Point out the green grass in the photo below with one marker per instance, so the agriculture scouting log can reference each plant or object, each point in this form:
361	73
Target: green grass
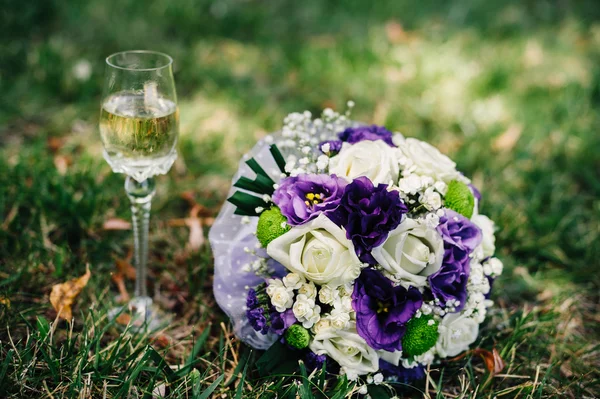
467	76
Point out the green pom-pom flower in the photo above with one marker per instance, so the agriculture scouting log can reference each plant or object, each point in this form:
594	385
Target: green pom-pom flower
459	198
421	335
297	336
271	224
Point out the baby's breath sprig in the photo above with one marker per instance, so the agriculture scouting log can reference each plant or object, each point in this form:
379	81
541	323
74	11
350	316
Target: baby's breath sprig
302	132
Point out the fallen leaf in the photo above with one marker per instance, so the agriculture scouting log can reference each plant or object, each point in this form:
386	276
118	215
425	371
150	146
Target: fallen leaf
125	268
196	238
507	140
5	301
63	295
161	340
55	143
116	224
119	280
62	163
395	32
160	391
565	369
493	362
123	318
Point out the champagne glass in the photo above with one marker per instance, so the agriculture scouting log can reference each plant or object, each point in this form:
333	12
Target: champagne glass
139	125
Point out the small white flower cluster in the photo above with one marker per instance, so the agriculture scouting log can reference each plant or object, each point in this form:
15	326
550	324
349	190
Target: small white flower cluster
302	132
258	266
294	292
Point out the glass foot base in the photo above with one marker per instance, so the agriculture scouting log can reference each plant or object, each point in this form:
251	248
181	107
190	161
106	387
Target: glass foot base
140	314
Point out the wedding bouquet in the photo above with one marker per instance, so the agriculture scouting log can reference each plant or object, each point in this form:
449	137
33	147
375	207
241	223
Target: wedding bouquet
354	246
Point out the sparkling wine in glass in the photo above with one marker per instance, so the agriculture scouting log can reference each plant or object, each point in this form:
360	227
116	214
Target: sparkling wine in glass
139	125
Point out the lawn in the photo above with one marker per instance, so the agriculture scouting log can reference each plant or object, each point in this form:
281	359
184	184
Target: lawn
509	90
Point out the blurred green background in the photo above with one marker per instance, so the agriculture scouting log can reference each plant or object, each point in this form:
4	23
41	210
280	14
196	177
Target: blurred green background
510	90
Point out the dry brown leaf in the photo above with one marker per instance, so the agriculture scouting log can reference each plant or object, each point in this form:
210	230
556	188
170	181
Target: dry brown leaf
116	224
63	295
62	163
55	143
5	301
119	280
395	32
507	140
125	268
493	362
196	238
123	318
161	340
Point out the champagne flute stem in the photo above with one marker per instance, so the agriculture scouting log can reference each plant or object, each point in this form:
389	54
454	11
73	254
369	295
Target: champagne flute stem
140	194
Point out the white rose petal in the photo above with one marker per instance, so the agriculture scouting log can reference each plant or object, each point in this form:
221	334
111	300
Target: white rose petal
426	160
457	332
318	251
411	252
348	349
373	159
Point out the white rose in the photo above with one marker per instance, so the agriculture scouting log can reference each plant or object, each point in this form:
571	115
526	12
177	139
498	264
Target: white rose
306	311
328	294
457	332
488	242
281	298
309	289
411	252
293	281
344	303
373	159
339	318
273	284
424	159
320	326
348	349
318	251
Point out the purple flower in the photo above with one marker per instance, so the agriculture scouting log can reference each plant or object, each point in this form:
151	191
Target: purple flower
304	197
334	147
356	134
383	310
281	321
400	373
314	361
257	320
368	214
460	236
251	299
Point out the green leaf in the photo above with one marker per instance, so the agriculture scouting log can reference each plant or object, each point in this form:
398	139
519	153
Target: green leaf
378	391
278	359
247	203
279	160
256	168
5	363
43	327
208	391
